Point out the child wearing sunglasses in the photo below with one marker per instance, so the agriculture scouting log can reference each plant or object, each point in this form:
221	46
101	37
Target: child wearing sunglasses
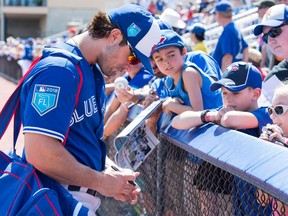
276	133
241	85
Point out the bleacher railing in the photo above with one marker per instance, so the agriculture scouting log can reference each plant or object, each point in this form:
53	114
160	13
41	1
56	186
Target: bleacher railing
209	170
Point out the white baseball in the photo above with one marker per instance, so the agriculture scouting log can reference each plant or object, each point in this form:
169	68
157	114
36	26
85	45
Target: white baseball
121	83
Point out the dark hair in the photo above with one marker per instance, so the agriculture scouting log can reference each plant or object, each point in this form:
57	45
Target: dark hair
101	26
200	37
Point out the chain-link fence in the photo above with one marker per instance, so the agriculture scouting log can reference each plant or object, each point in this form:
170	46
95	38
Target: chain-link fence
175	182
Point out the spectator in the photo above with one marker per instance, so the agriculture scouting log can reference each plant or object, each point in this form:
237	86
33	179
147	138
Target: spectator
27	57
276	133
267	55
117	112
241	88
187	85
197	37
255	57
173	18
275	29
231	46
64	142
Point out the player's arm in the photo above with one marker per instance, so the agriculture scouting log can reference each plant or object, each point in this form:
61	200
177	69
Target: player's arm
48	156
113	106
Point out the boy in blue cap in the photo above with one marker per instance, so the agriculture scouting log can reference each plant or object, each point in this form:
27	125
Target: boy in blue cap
241	85
187	86
64	139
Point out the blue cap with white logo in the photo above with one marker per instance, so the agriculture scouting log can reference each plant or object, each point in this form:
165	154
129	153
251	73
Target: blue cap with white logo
168	38
139	28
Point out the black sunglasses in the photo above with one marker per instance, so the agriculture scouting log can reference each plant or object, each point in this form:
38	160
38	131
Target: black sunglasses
273	33
279	109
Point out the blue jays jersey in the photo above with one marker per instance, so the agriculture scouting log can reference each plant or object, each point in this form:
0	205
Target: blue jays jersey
48	104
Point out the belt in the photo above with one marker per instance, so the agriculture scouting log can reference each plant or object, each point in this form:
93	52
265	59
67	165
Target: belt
82	189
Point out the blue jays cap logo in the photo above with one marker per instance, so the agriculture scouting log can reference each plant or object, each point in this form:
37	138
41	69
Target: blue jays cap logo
45	98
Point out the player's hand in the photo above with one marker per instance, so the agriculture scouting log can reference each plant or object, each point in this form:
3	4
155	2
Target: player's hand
125	95
115	184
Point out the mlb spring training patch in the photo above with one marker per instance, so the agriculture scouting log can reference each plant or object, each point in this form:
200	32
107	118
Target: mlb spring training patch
45	98
133	30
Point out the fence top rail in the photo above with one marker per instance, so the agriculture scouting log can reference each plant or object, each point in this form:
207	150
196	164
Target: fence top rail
257	161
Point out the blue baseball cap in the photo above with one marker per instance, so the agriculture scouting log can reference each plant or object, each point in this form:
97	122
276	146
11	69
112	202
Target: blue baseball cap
238	76
168	38
163	25
222	6
140	29
273	17
198	29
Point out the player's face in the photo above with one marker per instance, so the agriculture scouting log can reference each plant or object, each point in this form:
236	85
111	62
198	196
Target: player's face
239	101
280	120
169	60
279	44
114	59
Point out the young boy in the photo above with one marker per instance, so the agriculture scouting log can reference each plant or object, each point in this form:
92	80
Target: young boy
186	84
241	85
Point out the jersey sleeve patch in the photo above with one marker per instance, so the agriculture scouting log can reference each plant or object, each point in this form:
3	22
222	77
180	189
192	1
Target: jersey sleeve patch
45	98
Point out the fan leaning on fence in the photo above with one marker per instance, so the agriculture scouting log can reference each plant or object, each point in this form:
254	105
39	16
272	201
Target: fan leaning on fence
63	141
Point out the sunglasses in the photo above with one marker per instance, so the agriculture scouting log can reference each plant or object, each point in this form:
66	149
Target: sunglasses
273	33
132	58
279	109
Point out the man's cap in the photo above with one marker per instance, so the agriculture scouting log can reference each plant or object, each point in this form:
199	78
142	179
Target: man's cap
222	6
273	17
198	29
238	76
163	25
173	18
139	28
265	4
168	38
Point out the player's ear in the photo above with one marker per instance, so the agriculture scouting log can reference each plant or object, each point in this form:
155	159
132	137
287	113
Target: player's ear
115	35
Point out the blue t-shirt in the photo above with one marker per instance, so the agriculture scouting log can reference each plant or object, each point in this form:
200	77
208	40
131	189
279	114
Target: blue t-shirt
231	41
205	62
48	104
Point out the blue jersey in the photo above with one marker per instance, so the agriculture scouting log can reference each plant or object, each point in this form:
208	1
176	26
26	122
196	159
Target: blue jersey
210	99
141	79
231	42
205	62
48	104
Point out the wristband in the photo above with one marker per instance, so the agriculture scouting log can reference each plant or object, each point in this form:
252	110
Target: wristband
203	116
207	118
